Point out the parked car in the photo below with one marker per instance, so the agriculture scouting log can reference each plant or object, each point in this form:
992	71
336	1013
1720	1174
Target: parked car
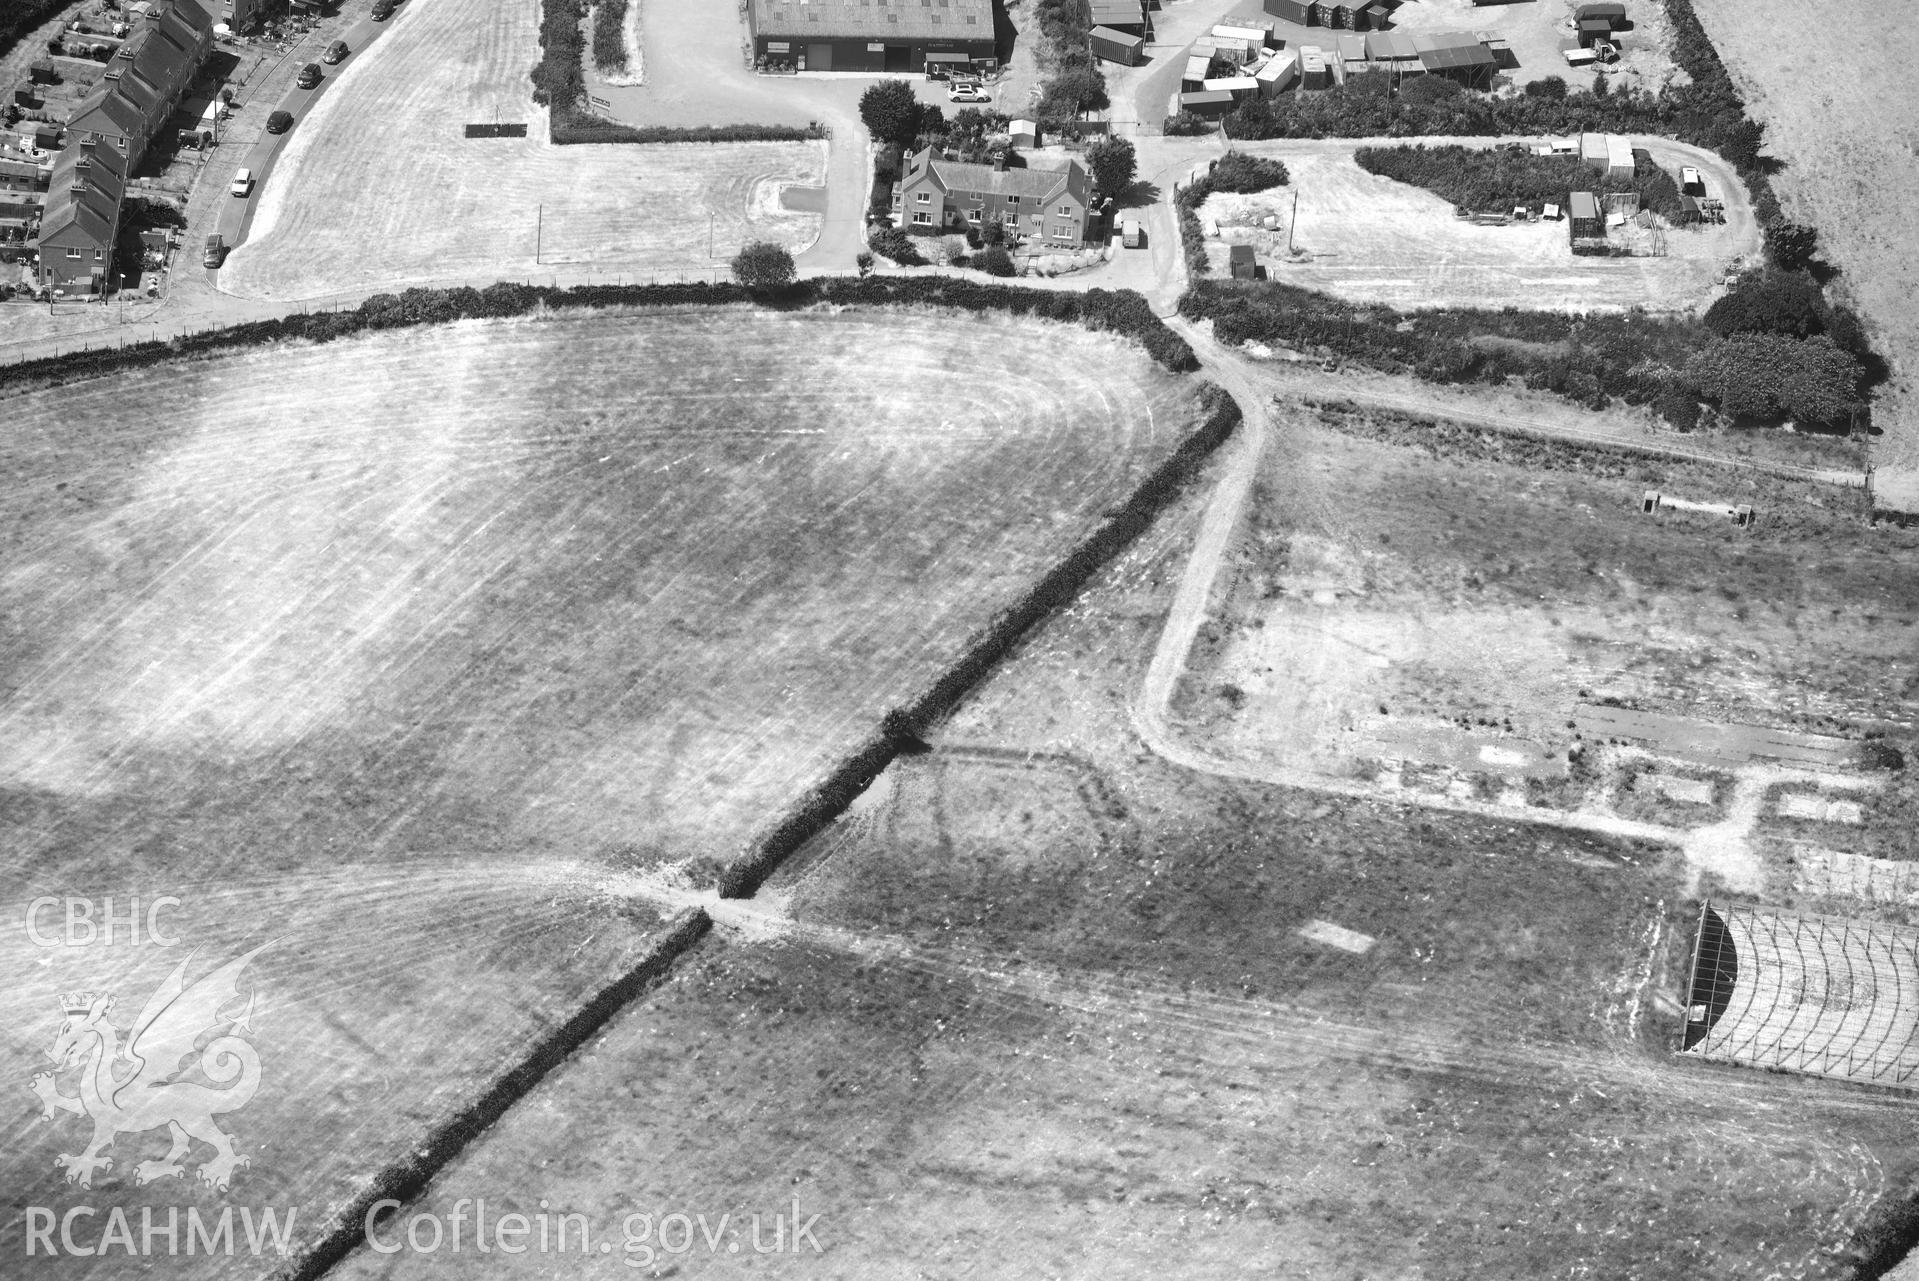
310	75
280	122
242	182
967	93
335	52
383	10
216	250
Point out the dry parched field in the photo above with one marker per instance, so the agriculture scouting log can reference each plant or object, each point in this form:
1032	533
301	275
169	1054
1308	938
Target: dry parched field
391	649
378	184
1841	113
1371	239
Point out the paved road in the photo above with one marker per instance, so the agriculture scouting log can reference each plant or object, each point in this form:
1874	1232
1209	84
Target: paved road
281	92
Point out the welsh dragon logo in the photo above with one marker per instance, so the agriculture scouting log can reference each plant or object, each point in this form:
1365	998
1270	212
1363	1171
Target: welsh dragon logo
126	1089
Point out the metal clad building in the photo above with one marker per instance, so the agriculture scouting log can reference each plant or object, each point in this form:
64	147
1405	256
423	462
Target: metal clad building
880	35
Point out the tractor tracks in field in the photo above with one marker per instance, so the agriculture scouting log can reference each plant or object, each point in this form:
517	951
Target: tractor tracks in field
1227	1038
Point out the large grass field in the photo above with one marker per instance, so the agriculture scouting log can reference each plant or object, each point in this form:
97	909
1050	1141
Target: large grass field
378	184
397	649
1039	1007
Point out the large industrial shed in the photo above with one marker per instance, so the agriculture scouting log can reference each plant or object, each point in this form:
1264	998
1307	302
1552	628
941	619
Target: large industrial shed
882	35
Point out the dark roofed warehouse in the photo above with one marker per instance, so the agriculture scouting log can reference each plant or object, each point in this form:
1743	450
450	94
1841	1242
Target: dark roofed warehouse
883	35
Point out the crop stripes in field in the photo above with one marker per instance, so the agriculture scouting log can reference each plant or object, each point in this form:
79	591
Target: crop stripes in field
407	1177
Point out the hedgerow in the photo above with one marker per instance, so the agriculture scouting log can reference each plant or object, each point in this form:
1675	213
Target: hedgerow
1122	312
609	35
560	85
1074	81
1481	178
18	17
906	724
1771	348
1236	171
1670	363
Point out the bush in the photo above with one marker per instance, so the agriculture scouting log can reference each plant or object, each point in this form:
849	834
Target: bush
893	243
1187	125
1791	244
1243	173
995	262
1072	92
1547	87
1768	376
1770	301
764	267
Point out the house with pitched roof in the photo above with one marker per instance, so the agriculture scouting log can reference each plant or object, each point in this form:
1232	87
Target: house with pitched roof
81	218
1047	207
108	134
145	79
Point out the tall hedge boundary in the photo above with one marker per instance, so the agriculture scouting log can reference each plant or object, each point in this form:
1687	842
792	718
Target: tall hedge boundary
559	84
1122	312
408	1176
901	727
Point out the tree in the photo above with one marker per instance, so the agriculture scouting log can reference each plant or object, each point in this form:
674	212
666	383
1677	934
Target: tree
864	261
1113	162
1791	244
890	112
763	265
995	261
1601	86
1073	92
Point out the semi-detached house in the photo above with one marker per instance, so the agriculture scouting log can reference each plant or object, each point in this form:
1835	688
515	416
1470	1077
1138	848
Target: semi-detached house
1044	206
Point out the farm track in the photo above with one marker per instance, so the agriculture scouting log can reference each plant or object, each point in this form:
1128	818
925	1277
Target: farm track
1294	381
1232	1036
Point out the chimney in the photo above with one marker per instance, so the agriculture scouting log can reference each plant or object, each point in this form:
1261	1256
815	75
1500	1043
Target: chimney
999	163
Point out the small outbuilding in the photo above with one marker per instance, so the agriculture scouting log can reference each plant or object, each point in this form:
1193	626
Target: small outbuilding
1117	46
1242	262
1236	86
1314	73
1206	103
1198	67
1278	74
1024	133
1583	211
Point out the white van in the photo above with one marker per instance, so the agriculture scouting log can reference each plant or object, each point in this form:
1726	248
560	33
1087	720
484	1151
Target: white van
242	182
1129	233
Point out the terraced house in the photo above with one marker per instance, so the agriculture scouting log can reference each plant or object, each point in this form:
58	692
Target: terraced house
107	136
81	218
1048	206
145	80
